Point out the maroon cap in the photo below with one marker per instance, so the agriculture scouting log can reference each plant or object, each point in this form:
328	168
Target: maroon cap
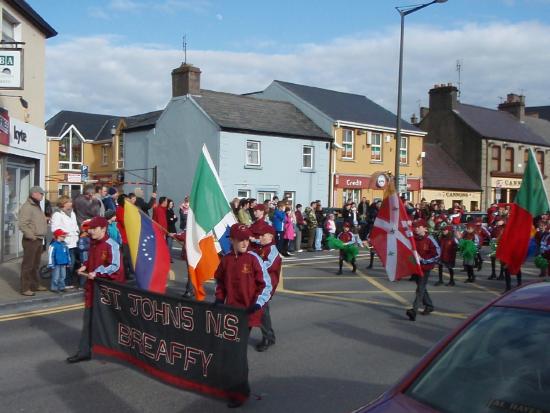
259	207
100	222
420	223
347	225
264	228
239	232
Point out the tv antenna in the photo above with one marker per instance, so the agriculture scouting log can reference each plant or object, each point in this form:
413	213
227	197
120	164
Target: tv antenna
184	47
459	70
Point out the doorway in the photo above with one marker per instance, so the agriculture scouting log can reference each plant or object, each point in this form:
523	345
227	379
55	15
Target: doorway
18	180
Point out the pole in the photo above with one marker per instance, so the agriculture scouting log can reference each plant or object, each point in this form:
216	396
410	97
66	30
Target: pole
155	179
399	92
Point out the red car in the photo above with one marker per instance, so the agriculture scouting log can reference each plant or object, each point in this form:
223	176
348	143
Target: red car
497	361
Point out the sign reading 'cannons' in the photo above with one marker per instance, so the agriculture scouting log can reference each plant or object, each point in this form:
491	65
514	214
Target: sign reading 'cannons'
184	343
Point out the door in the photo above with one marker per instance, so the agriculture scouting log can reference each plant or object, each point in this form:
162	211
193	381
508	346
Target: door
18	182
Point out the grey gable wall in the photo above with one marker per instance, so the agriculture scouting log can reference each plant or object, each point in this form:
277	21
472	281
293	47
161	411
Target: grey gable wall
174	147
276	92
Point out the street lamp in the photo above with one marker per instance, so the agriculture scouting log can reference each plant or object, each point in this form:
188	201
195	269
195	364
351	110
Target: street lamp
403	11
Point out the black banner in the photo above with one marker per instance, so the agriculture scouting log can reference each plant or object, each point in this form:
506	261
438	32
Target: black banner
185	343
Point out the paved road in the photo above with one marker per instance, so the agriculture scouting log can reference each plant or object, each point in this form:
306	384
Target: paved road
341	340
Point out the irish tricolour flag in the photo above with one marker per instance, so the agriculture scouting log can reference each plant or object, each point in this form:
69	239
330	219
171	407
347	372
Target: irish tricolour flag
531	201
208	220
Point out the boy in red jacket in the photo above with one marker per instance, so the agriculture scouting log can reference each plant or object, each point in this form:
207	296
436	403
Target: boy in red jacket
429	252
104	261
449	245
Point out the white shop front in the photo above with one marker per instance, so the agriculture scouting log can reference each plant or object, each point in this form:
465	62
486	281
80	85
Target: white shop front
22	165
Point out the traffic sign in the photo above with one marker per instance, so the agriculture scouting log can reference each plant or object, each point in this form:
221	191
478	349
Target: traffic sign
84	172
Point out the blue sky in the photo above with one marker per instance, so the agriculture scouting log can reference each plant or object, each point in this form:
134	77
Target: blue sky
274	26
115	56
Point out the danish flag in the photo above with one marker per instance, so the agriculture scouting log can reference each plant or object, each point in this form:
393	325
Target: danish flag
392	238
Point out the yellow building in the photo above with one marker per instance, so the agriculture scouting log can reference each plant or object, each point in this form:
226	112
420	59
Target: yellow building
83	148
364	140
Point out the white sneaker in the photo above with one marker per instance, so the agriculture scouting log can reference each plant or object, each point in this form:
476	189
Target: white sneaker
289	253
300	251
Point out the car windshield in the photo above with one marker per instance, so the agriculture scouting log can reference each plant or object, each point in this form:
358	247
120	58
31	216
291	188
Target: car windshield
501	363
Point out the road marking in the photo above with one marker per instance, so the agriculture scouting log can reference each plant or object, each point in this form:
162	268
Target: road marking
395	291
476	285
321	277
38	313
382	287
460	316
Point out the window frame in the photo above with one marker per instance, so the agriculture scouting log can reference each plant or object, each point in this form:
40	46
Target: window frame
247	191
348	144
405	149
104	155
311	156
375	145
120	152
258	150
541	161
261	196
71	134
508	162
497	158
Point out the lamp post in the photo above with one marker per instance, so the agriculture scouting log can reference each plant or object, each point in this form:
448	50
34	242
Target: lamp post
403	11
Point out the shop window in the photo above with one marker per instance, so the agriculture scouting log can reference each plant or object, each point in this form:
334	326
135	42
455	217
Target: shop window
509	160
495	159
253	157
351	195
307	157
70	151
347	143
376	147
403	151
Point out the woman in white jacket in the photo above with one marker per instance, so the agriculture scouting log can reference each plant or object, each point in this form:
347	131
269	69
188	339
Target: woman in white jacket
64	218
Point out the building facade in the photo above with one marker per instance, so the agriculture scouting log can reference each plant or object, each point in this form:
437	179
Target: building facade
363	143
260	148
83	148
22	135
491	146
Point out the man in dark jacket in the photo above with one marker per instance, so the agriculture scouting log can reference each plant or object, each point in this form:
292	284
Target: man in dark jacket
86	205
140	202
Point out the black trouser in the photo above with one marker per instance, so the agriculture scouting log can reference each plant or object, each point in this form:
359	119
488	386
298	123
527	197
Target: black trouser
470	272
422	295
341	262
508	279
478	261
451	272
494	269
85	345
371	257
266	327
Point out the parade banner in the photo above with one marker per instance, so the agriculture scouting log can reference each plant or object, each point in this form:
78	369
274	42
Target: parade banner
188	344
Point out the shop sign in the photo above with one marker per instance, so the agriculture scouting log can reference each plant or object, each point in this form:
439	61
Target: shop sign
26	136
4	127
352	182
512	183
458	194
74	178
10	69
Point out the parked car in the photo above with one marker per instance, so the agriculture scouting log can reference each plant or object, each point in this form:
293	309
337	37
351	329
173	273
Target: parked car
496	361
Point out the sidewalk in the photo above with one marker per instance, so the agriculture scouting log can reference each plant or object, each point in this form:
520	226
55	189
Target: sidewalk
12	301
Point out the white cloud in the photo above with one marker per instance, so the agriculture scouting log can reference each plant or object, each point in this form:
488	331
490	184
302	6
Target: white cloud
219	17
97	74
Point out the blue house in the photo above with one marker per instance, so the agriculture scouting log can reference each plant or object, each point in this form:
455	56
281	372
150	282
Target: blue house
261	148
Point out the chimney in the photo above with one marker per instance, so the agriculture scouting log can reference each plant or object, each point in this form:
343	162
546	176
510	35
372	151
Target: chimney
515	104
186	80
423	112
443	97
414	119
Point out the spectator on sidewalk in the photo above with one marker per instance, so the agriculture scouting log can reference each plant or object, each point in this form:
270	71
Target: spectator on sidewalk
140	202
33	225
243	216
65	219
320	217
172	231
311	221
109	201
86	205
100	193
300	226
184	212
59	259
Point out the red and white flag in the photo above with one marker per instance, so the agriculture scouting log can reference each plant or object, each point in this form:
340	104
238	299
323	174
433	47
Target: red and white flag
392	238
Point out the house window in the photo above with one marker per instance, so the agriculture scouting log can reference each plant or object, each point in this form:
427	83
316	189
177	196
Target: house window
540	161
9	25
243	193
265	196
347	143
307	157
403	152
253	153
509	160
120	159
289	197
495	159
376	147
70	151
104	154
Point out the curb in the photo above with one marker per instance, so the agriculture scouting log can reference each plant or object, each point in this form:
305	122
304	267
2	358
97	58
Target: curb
48	301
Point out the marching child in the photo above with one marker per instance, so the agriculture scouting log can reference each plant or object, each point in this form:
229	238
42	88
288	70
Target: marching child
469	263
59	259
448	244
348	239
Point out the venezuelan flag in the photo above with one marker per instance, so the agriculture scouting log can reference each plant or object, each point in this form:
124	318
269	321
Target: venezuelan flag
148	250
